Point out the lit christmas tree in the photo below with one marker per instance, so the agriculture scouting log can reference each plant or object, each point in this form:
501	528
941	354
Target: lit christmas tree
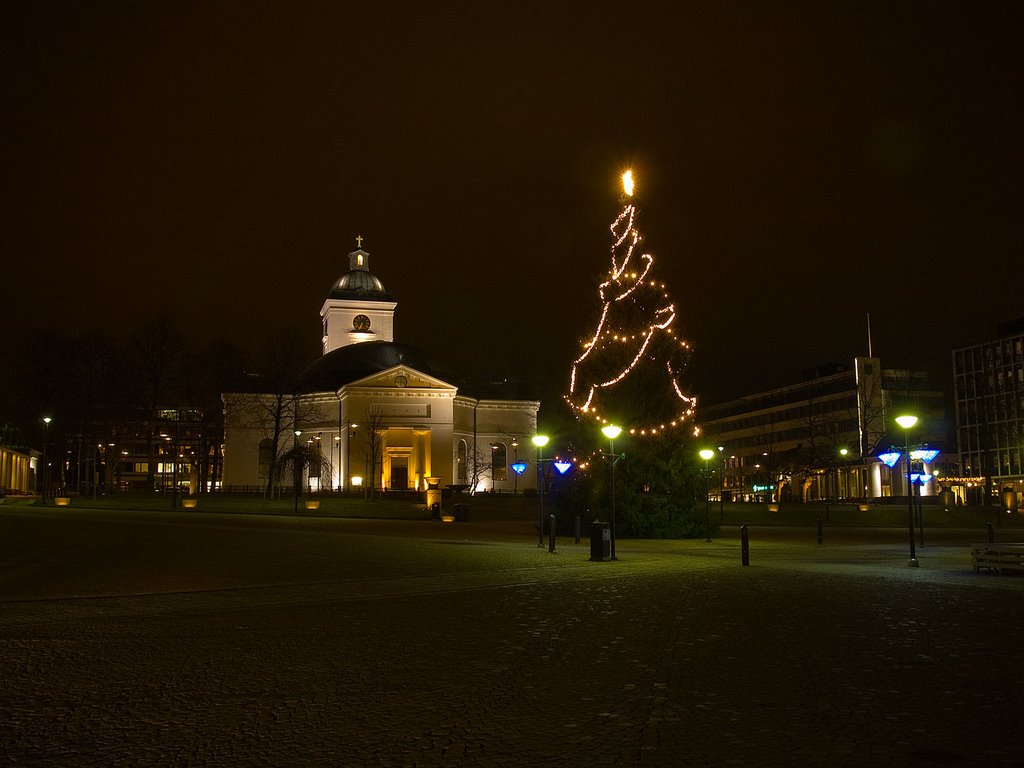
630	367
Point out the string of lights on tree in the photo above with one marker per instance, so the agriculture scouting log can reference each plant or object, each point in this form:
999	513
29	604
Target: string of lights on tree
636	328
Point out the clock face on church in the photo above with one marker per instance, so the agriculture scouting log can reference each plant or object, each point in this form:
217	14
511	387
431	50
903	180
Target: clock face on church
361	323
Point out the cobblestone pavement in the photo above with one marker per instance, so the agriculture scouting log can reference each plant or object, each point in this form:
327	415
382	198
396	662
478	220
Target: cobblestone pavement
152	641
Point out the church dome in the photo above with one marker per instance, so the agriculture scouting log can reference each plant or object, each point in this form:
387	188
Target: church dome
358	282
356	361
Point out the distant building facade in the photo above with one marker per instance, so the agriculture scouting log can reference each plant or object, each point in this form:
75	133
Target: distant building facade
373	411
18	468
988	387
830	436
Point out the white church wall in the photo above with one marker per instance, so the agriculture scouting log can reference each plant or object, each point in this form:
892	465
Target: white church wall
487	425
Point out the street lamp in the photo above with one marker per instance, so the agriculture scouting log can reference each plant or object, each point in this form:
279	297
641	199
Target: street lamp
349	434
907	422
515	475
721	486
707	454
611	431
46	466
540	441
337	446
296	470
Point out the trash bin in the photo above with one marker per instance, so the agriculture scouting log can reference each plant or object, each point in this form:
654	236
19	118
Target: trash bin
435	511
600	542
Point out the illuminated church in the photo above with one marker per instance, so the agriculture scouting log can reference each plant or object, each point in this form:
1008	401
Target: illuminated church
379	411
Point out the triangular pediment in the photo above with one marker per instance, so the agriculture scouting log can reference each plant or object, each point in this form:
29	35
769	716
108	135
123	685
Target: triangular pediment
400	377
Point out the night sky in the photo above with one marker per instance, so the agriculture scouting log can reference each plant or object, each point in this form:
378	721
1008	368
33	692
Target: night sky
799	165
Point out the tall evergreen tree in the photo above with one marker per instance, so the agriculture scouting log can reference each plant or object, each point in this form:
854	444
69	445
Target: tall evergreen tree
630	370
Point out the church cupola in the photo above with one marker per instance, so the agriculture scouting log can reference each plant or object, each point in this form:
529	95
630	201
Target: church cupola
358	308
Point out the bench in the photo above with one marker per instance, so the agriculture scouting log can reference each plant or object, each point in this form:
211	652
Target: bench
998	557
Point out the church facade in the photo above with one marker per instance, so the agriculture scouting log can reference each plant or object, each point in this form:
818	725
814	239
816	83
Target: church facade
373	411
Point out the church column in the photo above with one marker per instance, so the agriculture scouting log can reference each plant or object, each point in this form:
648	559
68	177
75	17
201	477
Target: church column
876	480
422	457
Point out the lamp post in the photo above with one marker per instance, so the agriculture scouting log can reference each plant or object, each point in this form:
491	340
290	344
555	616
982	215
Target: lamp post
296	470
174	470
515	475
841	487
721	486
336	446
907	422
540	441
46	465
707	454
349	434
494	453
611	431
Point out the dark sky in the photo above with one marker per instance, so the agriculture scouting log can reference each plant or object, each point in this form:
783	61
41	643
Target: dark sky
799	166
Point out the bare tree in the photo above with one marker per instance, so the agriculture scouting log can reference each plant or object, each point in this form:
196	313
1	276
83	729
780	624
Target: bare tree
155	357
871	406
480	467
273	404
766	440
376	431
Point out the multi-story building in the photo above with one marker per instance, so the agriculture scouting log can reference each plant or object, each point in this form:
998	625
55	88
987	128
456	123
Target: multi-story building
988	387
132	450
831	436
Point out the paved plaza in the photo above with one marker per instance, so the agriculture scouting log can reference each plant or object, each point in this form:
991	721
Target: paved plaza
187	639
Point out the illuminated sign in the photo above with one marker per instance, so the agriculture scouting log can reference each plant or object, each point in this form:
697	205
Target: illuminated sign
519	467
763	488
562	467
890	459
927	455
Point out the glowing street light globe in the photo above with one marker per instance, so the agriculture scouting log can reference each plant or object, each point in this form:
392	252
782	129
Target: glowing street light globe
906	421
611	431
627	183
539	440
707	454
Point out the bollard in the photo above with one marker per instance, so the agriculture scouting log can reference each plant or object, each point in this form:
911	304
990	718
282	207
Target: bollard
551	533
821	533
577	529
991	534
745	545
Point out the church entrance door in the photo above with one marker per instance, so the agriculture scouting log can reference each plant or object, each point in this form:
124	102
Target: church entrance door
399	473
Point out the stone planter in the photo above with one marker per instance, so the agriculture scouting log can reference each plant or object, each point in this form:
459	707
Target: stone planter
61	501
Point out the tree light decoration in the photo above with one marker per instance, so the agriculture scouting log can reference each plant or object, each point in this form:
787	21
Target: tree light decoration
631	364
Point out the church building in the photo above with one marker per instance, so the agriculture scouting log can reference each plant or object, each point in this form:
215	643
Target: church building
376	411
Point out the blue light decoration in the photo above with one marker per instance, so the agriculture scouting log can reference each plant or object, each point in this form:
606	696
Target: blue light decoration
519	467
927	455
562	467
890	459
919	477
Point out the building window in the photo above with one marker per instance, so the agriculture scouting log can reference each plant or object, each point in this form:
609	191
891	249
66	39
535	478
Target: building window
266	458
499	462
460	462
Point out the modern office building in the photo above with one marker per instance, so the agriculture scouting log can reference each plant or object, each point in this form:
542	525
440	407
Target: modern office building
831	436
988	389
